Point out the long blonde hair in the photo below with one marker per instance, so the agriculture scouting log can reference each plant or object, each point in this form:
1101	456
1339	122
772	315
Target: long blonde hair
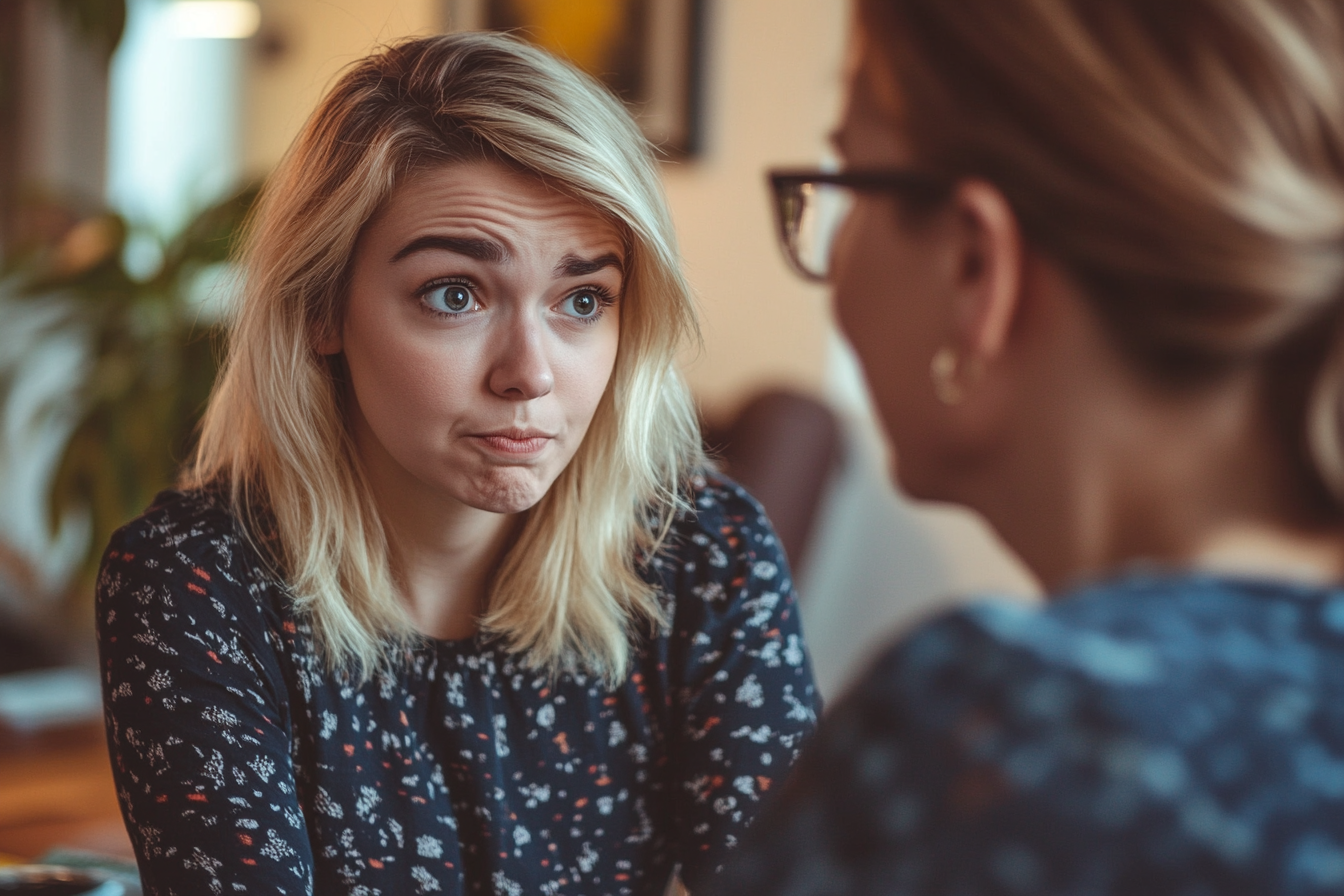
569	594
1183	159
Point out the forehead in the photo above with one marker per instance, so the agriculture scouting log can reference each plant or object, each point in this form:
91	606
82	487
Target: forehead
491	200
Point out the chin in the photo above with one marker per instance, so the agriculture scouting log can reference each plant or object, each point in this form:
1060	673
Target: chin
914	482
507	494
917	491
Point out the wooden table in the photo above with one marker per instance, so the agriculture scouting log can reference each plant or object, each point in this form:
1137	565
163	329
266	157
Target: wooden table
56	790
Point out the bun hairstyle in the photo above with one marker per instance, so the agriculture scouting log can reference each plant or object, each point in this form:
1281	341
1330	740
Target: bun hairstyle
1182	159
569	595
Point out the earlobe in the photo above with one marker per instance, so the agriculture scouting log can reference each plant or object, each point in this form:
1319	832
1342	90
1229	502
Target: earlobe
944	373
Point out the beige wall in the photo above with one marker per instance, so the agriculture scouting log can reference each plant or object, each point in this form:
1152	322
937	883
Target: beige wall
318	38
772	84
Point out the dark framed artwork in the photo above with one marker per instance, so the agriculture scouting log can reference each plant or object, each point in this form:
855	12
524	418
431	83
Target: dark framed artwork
649	52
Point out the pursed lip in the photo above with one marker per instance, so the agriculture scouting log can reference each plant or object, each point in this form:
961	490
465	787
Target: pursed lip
515	441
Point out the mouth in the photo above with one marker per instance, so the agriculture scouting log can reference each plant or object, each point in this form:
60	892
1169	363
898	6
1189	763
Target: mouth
514	441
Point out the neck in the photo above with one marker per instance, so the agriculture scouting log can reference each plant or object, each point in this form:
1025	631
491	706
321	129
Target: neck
1103	523
444	553
1110	472
445	560
1256	552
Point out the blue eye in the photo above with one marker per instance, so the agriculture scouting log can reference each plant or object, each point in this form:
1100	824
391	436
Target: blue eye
585	303
450	298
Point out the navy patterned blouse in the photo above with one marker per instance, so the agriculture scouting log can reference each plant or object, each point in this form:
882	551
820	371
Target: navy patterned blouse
243	766
1155	736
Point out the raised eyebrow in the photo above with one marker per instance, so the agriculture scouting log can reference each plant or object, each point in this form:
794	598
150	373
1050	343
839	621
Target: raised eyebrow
574	266
472	247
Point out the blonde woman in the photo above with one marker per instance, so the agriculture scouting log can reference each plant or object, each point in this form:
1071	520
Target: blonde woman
446	602
1094	269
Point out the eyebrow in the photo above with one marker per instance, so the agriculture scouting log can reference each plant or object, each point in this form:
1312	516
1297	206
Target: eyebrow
574	266
479	249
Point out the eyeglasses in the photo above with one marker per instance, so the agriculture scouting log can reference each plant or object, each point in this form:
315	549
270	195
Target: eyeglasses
810	206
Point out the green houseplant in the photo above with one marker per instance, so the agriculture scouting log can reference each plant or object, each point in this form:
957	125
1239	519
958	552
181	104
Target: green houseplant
151	349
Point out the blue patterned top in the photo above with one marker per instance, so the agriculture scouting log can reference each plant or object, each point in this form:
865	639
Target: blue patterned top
1161	736
243	766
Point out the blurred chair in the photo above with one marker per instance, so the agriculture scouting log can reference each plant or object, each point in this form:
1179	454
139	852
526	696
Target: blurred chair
782	447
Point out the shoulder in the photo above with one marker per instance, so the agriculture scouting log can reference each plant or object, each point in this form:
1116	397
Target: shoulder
1140	631
178	525
719	555
1158	633
1137	684
186	549
718	501
723	535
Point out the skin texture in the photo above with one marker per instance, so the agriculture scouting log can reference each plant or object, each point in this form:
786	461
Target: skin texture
1080	462
480	333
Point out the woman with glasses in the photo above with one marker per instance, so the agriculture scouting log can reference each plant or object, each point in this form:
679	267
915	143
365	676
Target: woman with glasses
447	601
1090	254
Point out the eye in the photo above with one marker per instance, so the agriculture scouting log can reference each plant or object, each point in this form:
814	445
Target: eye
586	303
450	298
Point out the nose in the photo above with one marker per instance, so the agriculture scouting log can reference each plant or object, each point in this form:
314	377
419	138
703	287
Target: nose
521	370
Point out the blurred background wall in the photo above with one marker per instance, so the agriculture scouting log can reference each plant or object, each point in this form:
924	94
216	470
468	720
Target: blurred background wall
193	117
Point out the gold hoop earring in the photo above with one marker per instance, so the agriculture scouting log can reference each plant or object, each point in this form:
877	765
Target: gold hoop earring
943	374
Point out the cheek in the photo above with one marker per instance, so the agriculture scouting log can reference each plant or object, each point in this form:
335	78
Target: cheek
881	306
884	364
403	383
868	301
583	375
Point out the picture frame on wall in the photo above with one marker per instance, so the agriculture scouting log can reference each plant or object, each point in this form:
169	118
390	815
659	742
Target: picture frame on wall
649	52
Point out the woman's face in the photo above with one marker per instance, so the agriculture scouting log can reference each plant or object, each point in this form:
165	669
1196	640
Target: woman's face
889	284
480	333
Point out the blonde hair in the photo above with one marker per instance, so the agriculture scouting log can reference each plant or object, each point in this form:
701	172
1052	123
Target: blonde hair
1183	159
569	594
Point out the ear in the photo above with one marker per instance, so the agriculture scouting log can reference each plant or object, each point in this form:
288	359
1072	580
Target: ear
988	284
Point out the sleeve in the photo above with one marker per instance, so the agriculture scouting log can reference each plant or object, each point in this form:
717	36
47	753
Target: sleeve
744	692
912	783
195	714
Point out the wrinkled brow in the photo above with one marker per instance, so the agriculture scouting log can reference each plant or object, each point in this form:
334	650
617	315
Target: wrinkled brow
479	249
574	266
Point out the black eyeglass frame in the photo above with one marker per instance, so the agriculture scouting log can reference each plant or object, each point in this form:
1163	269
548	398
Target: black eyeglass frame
786	184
